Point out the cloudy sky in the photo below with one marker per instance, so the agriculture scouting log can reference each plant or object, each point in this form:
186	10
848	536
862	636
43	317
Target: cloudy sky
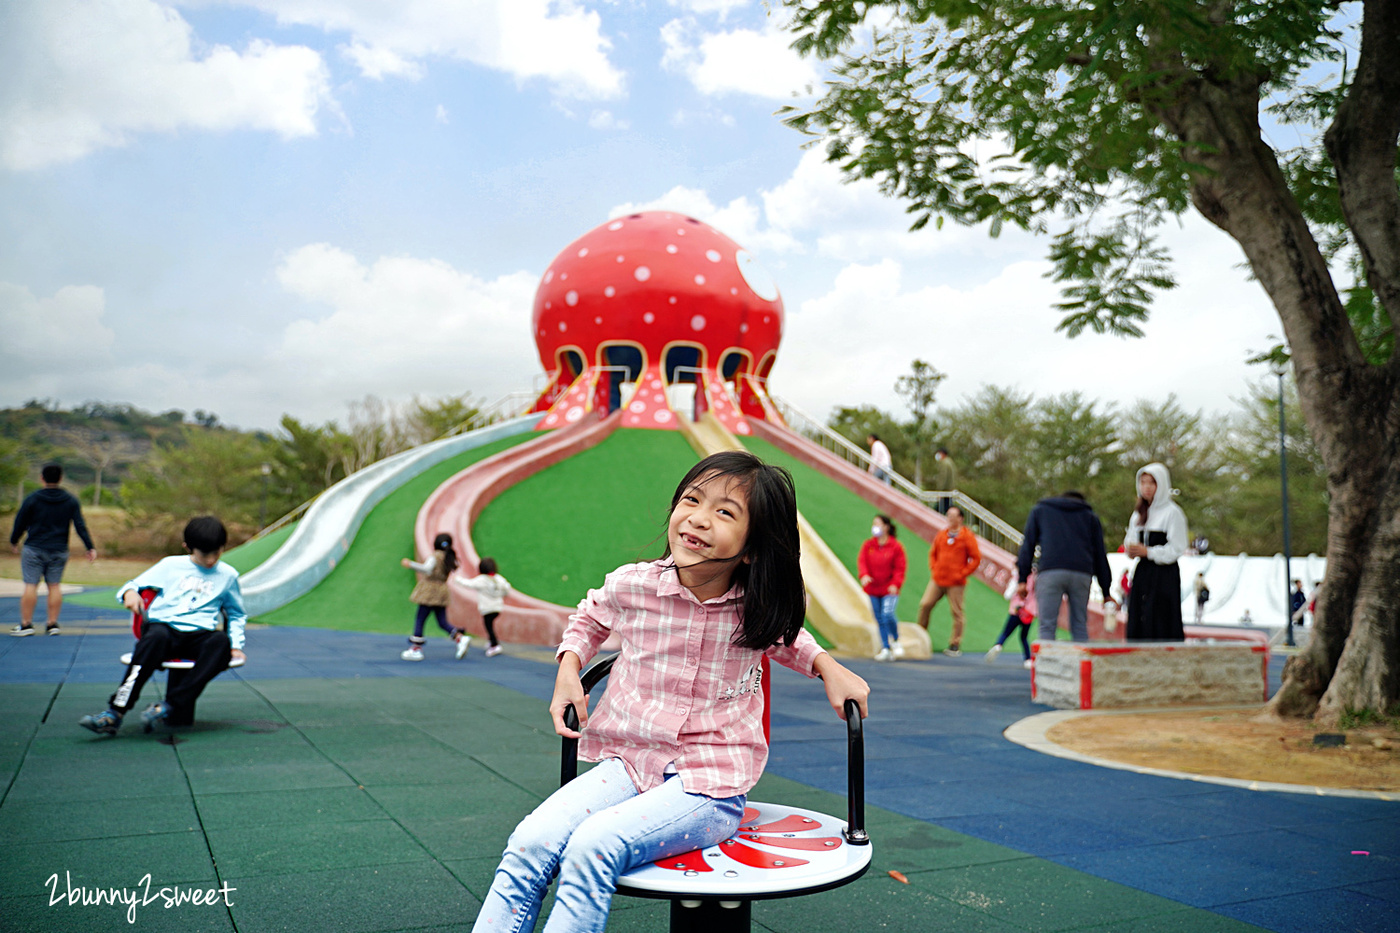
263	206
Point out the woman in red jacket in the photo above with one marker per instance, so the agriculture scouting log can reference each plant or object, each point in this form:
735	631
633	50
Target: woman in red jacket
881	567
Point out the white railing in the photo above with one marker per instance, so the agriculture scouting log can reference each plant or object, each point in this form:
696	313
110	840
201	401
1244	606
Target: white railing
983	521
511	405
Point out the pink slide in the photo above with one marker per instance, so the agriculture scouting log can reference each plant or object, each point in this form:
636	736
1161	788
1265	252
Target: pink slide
455	504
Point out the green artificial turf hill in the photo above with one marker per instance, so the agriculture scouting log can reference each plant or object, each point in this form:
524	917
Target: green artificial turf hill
250	554
558	533
842	518
368	591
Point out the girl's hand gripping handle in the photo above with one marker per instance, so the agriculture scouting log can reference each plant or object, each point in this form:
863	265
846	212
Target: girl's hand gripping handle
842	685
568	691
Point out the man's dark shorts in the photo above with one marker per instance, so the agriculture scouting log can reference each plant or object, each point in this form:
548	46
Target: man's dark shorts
36	564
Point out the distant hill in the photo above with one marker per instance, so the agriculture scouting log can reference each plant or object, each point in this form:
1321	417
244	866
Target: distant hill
94	442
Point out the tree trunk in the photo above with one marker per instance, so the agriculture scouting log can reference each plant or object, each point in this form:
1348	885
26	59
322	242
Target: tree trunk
97	487
1351	407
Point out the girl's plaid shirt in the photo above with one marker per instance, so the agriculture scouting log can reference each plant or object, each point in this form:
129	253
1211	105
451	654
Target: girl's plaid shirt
680	692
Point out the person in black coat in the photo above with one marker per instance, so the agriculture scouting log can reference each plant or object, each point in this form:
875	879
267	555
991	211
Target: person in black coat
1072	556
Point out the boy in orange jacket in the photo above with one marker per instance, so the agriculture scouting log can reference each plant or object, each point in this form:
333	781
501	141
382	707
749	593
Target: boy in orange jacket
952	559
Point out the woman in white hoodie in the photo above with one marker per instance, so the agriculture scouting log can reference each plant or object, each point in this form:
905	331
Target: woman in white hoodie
1156	537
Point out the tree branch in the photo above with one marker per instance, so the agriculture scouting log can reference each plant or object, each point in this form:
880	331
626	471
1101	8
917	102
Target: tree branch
1361	143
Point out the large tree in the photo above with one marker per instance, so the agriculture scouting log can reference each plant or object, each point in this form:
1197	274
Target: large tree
1104	119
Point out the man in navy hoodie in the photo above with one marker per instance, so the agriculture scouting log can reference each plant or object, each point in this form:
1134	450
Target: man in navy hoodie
46	515
1071	555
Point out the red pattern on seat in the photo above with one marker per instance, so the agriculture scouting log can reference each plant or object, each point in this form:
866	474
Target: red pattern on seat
811	843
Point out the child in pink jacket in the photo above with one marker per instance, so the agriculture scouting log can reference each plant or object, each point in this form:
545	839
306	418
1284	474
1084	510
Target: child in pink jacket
1022	615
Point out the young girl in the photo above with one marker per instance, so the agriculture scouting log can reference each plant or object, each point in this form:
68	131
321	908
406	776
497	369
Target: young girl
679	729
881	565
491	589
1022	614
430	594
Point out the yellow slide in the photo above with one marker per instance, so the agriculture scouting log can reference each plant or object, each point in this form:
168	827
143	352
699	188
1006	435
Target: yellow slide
836	606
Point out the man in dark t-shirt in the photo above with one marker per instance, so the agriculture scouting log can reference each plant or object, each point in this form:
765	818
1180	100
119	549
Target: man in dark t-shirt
45	517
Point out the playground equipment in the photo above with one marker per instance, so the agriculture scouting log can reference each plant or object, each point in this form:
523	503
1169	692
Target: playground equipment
324	534
778	851
661	322
648	301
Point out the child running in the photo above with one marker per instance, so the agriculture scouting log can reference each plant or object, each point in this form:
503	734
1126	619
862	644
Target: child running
491	591
1022	614
430	593
678	732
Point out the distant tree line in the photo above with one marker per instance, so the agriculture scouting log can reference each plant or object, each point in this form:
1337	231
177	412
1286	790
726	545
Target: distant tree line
1011	448
165	467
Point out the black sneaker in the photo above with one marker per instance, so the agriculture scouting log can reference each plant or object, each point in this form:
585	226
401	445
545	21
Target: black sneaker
52	629
19	631
106	722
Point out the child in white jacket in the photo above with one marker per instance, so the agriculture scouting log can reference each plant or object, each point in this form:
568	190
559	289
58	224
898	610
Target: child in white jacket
491	590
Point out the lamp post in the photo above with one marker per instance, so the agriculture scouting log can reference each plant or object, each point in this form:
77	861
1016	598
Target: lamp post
262	513
1280	370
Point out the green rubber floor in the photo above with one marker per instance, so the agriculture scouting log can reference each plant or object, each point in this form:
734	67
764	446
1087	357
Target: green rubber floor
364	805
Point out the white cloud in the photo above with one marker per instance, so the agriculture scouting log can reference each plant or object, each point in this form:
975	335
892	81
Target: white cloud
557	40
394	328
719	8
813	211
380	63
738	61
854	222
606	120
50	341
848	345
739	220
76	77
402	325
440	114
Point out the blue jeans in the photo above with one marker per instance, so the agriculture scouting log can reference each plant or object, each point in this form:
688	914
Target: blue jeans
592	830
883	607
1050	587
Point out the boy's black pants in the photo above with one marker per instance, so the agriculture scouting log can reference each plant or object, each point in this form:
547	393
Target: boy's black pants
210	652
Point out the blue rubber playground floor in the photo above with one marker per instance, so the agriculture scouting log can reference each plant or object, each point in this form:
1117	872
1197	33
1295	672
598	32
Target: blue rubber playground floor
330	786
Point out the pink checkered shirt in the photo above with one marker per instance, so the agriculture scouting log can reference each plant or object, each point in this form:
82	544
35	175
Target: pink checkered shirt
680	691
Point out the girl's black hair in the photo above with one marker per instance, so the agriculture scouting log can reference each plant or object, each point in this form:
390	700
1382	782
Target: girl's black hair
443	542
774	596
889	524
487	566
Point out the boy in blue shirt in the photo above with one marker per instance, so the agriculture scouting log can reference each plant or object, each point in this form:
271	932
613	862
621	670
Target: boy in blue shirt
193	593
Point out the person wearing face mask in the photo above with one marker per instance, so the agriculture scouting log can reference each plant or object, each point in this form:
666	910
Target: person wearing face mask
1156	538
881	565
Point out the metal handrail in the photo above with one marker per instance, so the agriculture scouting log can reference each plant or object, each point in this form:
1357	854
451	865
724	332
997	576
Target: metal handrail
699	382
291	516
984	523
510	405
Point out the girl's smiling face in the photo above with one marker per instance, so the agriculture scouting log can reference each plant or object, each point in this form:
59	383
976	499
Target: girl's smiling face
710	522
